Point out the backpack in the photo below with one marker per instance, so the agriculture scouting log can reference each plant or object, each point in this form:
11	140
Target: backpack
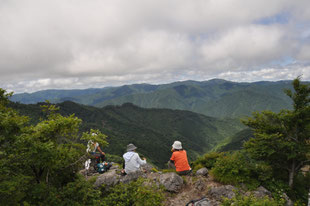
200	202
103	167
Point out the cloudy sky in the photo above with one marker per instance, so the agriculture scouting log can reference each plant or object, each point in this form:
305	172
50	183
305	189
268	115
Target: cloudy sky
69	44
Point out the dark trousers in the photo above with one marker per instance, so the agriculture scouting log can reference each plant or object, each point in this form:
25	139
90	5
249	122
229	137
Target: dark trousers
185	172
96	159
99	158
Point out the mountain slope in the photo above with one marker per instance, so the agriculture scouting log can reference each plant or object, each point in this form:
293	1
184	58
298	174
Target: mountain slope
235	142
151	130
217	98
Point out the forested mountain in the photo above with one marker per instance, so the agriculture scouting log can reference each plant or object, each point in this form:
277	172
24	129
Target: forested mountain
217	98
236	141
151	130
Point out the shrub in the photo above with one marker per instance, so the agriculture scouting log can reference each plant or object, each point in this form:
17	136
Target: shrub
252	201
236	168
79	192
139	193
208	160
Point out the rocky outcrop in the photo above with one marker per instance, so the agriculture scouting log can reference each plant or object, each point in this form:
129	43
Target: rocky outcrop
187	188
171	181
202	172
132	176
261	192
107	179
218	193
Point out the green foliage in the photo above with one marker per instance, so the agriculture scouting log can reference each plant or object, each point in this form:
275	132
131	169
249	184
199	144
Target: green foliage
300	190
283	139
208	160
37	161
138	193
78	192
241	200
236	168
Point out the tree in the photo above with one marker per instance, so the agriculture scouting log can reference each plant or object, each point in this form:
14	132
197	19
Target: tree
37	160
283	139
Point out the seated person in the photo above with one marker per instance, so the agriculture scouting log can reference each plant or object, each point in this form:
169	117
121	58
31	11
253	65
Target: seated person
132	160
95	151
179	160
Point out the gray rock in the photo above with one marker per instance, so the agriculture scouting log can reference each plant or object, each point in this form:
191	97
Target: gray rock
114	166
202	172
132	176
147	167
200	185
223	191
154	176
261	192
171	181
108	179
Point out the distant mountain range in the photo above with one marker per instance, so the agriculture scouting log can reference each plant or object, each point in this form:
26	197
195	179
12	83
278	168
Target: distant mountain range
153	131
216	98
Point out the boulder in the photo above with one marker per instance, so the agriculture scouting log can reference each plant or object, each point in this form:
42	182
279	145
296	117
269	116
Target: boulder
132	176
202	172
108	179
223	191
147	167
261	192
171	181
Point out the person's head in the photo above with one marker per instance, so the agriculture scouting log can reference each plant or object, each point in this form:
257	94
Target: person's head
131	147
177	145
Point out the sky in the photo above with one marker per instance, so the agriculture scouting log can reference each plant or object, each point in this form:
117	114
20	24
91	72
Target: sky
77	44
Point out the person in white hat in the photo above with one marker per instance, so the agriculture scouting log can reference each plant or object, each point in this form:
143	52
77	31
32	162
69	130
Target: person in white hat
132	159
179	159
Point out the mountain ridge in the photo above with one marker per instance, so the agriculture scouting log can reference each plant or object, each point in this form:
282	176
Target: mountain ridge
213	97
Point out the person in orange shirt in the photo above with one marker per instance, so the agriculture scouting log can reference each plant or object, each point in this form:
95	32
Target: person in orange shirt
179	159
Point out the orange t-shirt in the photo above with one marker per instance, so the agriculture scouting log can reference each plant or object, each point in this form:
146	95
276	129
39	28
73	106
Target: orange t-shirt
180	160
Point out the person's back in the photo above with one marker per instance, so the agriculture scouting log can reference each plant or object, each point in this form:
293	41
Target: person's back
179	158
132	159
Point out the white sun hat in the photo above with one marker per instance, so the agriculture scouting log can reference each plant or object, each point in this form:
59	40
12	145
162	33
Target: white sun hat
177	145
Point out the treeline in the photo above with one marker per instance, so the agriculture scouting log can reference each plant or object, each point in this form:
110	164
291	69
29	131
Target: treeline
274	156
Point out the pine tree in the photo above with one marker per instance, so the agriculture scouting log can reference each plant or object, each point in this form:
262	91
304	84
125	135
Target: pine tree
283	139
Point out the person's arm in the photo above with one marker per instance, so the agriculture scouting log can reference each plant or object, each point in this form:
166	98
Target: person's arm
99	149
172	158
140	162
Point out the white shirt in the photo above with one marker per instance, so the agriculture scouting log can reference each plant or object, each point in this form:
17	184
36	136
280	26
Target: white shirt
132	162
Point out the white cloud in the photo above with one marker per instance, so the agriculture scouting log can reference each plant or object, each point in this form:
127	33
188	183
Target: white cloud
244	47
43	42
269	74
